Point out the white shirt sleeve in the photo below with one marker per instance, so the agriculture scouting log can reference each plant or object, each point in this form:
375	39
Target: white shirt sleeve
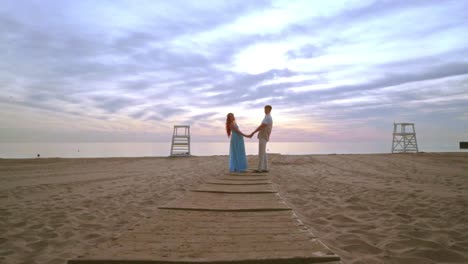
267	120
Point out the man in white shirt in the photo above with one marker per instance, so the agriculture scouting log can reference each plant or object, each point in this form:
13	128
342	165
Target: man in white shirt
263	137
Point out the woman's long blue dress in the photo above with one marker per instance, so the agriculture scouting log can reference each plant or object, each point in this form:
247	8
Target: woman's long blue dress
237	157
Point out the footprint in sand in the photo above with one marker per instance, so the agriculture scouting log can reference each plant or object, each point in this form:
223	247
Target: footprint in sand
91	236
93	226
49	235
57	261
440	255
38	245
57	198
68	234
360	246
5	253
342	219
19	224
86	217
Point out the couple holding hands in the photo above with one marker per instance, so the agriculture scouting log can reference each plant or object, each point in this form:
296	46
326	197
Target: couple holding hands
237	157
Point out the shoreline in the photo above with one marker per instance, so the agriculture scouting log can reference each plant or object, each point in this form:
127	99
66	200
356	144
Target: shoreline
134	150
248	155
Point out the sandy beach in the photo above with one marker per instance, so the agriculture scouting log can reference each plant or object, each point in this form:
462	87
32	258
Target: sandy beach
376	208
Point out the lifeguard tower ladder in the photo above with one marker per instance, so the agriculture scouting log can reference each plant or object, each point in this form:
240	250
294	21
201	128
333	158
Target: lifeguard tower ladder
404	138
180	141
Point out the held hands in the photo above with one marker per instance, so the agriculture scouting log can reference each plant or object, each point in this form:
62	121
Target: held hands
249	135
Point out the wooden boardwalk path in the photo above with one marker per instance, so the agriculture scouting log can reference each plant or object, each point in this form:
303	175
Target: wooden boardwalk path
234	218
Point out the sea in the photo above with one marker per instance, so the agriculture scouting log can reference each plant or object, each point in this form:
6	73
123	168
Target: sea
21	150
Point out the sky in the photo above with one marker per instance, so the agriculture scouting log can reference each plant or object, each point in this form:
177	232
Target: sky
334	71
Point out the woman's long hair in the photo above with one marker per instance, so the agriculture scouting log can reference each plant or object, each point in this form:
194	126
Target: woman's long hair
229	119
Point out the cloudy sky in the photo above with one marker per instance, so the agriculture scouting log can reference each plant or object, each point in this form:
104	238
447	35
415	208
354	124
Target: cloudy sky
102	70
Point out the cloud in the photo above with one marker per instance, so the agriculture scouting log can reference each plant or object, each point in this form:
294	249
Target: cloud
113	104
306	51
204	117
157	63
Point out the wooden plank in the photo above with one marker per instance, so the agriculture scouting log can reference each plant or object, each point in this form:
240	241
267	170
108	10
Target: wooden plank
165	242
228	202
244	178
229	188
248	173
223	258
226	217
237	182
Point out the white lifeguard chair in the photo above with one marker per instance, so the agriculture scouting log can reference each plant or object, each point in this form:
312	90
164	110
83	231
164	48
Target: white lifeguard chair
404	138
180	141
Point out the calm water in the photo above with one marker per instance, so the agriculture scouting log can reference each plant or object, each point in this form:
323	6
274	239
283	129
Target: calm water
159	149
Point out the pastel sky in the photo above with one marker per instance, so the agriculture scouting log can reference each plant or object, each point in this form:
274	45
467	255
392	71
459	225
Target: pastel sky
98	70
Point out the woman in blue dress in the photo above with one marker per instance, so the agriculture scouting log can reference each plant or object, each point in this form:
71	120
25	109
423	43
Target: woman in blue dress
237	157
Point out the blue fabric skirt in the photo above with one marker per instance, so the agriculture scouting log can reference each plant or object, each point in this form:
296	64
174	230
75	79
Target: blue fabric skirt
237	157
